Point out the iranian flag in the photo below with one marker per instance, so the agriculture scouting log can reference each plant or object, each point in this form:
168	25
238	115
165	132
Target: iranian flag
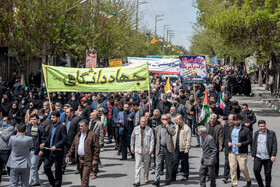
222	103
205	113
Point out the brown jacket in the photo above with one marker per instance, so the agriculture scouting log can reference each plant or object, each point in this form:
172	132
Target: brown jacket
92	147
218	133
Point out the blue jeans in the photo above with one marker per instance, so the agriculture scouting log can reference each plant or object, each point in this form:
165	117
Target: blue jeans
34	175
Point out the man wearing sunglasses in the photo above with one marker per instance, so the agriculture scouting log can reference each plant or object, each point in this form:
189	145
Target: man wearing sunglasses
164	149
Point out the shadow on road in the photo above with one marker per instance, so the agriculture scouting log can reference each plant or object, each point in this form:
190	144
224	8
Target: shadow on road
112	175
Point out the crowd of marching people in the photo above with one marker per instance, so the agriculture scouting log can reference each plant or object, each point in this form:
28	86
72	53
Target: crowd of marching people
41	130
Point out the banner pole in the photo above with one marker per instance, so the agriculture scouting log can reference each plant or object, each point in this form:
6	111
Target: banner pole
149	93
47	85
50	101
195	102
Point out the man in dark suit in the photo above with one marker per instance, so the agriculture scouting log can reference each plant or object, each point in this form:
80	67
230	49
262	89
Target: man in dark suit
54	150
19	160
208	159
72	127
164	105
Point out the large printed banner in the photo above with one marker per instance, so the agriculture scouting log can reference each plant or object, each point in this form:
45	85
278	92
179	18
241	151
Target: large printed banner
193	69
251	64
129	78
158	65
115	63
165	57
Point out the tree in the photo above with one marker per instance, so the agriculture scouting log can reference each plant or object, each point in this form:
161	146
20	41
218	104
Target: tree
40	28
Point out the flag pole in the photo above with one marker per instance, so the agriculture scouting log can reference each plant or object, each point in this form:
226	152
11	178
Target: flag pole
195	102
47	85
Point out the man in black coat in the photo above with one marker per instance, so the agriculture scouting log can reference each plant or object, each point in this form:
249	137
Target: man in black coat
180	108
86	110
164	105
248	117
54	150
72	127
264	150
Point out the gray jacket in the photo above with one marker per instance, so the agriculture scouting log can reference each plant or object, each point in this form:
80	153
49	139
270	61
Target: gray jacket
98	129
209	149
148	141
20	155
170	132
7	132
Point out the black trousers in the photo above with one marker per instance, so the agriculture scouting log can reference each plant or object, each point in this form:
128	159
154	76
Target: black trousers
204	169
217	164
116	134
4	156
258	163
177	156
58	161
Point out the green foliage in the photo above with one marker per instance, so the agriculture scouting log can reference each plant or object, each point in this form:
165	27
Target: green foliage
240	27
41	28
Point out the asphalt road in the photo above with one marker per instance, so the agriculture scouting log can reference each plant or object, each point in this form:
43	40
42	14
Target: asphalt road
116	172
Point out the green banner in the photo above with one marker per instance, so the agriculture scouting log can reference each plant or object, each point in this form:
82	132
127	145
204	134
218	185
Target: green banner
119	79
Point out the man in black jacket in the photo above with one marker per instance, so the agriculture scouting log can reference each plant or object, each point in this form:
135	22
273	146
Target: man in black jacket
72	127
238	140
86	110
248	117
54	150
164	105
180	108
264	150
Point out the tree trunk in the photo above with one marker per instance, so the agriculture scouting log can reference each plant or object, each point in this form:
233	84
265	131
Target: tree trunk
267	79
260	76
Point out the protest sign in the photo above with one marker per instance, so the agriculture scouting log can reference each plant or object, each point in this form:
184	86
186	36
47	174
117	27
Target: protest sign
115	63
158	65
129	78
251	64
193	69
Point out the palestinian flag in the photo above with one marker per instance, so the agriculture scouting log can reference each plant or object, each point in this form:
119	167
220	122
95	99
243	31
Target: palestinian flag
222	103
205	113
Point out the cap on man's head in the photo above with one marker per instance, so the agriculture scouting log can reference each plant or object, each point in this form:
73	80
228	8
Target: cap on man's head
234	102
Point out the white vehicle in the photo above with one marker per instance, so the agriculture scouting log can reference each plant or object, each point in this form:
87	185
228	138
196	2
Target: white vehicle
173	78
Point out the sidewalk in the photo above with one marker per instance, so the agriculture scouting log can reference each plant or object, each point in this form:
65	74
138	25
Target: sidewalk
266	97
258	91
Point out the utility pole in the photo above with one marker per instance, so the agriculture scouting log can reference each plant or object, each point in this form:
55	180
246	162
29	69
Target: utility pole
164	28
168	33
157	18
171	35
138	3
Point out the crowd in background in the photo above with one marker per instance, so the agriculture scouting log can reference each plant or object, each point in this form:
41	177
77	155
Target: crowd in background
156	129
